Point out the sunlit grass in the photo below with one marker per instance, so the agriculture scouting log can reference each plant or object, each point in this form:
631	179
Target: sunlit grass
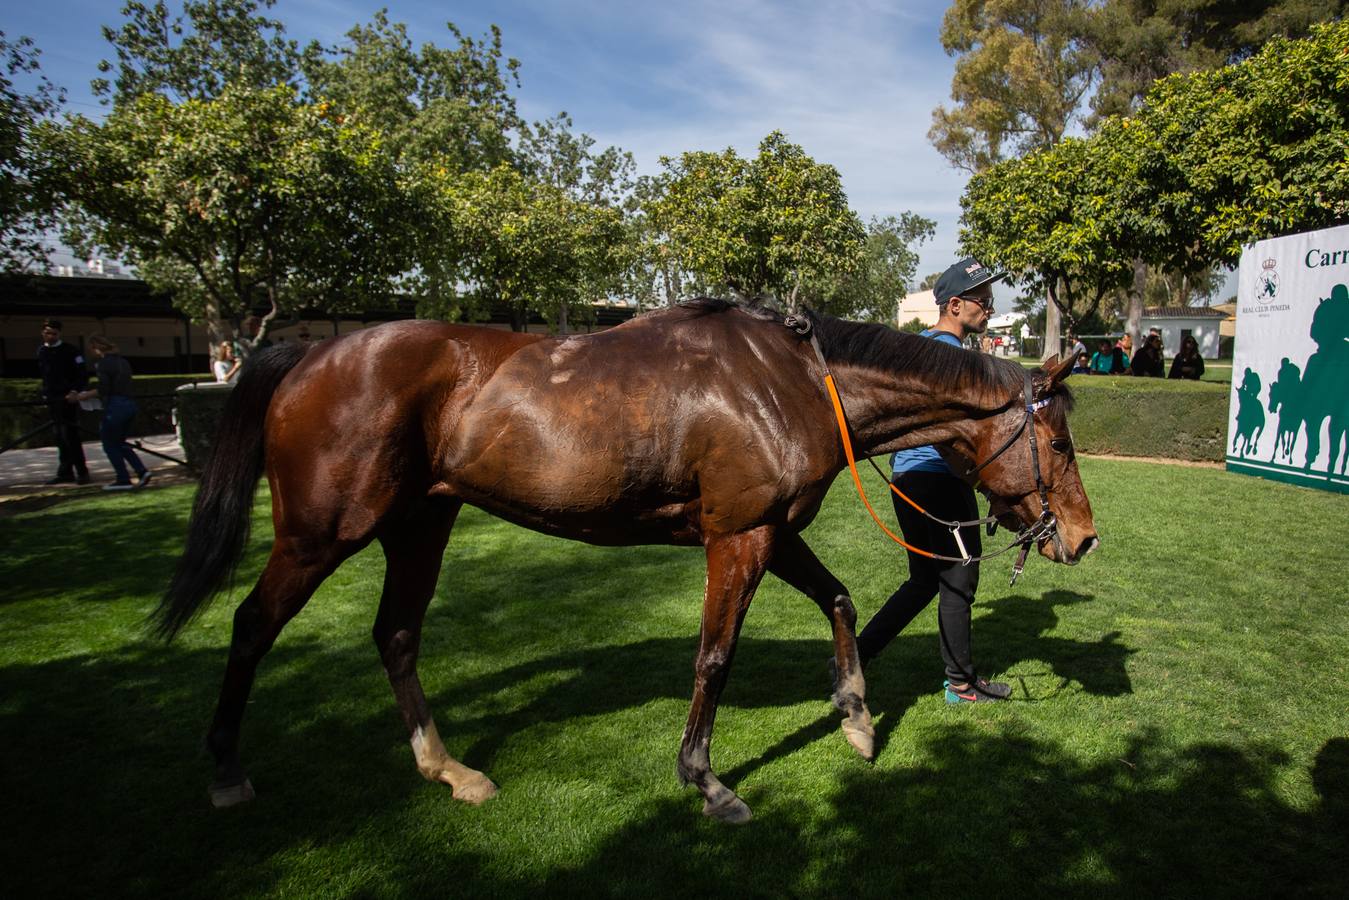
1177	729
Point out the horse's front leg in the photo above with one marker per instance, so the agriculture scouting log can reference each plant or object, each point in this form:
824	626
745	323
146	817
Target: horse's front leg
735	565
795	563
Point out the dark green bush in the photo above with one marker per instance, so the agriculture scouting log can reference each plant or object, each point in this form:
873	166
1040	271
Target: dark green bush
1150	417
199	409
154	396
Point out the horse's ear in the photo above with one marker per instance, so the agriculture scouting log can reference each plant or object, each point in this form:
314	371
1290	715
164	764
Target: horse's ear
1058	369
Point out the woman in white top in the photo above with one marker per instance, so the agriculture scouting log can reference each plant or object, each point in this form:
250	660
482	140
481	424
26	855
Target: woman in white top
226	365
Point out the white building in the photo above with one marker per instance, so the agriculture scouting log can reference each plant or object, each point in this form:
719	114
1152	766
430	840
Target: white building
1176	322
921	305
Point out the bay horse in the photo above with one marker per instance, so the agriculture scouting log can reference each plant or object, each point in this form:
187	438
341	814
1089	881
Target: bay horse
703	424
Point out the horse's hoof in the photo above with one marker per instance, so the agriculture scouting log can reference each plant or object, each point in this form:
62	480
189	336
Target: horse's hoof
476	791
862	738
731	810
231	793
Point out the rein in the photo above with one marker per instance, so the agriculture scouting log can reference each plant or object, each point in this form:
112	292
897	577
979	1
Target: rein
1043	527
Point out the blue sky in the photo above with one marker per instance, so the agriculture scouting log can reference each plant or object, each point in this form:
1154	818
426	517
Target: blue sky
852	81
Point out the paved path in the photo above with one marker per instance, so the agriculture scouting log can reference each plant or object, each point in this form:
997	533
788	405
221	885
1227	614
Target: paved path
23	472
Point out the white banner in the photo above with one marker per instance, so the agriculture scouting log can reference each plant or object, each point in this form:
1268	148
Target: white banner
1289	411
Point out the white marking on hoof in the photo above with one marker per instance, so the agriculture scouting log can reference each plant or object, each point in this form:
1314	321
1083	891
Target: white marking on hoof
731	810
862	737
226	795
474	791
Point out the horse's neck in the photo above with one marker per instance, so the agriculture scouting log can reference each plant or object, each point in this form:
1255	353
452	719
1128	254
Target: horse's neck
890	411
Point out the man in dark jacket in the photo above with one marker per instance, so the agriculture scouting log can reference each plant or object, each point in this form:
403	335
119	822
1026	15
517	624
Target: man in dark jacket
63	371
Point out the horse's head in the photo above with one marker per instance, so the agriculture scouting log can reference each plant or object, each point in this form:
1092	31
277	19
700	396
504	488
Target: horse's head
1021	481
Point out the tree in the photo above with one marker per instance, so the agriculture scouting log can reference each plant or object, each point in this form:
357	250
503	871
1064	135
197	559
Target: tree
27	203
249	198
447	107
194	55
1023	68
873	291
1139	42
531	247
771	225
1211	162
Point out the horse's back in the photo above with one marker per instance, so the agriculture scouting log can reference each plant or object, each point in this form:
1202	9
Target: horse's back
633	433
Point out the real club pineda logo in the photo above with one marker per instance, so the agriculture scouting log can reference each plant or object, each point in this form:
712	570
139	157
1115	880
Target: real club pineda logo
1267	282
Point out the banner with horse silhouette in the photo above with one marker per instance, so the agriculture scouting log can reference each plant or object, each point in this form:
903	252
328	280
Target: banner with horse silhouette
1289	414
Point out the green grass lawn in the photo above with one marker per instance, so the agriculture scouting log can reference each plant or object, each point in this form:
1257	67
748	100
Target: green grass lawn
1179	727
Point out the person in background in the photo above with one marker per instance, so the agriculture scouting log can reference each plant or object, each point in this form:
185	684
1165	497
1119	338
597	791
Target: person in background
964	296
1083	364
1120	364
1188	363
114	389
1077	348
62	370
227	365
1147	362
1103	359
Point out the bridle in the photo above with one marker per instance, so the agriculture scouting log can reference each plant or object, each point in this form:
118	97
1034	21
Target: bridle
1045	527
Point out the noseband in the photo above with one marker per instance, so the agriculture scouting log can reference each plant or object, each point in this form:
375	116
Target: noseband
1045	527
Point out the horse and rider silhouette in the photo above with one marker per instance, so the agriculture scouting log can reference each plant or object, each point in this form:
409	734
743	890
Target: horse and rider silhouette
1305	398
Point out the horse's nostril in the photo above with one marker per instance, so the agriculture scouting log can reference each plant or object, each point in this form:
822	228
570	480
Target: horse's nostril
1087	546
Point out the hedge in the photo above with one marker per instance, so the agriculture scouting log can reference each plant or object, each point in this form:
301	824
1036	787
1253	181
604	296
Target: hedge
1150	417
199	409
154	396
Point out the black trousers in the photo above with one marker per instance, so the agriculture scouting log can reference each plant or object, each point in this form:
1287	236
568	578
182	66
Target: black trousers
946	497
66	423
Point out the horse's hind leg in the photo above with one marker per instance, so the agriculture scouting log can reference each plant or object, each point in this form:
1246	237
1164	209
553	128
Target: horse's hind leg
283	588
795	563
413	550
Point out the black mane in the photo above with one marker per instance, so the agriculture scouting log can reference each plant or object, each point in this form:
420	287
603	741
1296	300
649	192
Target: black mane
877	346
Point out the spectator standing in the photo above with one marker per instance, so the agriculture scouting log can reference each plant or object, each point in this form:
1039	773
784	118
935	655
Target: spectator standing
1188	363
119	408
62	368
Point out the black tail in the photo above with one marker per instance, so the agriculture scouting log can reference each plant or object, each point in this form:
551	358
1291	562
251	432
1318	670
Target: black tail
218	529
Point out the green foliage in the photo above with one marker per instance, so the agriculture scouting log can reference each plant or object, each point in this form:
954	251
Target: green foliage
771	225
447	107
249	197
531	246
873	291
194	55
1141	41
1212	161
1022	69
914	326
27	201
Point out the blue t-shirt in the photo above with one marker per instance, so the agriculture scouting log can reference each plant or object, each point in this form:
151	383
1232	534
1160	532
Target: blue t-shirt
926	458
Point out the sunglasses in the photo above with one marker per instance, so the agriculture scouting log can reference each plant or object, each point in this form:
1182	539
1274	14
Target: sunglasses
985	302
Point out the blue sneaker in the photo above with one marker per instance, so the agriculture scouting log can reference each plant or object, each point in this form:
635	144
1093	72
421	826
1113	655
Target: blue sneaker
980	690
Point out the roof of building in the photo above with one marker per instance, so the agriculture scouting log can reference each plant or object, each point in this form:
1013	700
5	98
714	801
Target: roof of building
1183	312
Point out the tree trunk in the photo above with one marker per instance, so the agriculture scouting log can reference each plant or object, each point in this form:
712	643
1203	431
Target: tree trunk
1133	323
562	318
1052	329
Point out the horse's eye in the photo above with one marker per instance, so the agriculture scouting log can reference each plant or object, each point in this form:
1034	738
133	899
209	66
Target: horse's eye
1062	445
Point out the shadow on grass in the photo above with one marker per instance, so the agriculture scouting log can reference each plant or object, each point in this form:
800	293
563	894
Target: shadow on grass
104	787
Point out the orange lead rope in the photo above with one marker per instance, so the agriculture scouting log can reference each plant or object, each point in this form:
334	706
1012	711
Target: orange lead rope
857	479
